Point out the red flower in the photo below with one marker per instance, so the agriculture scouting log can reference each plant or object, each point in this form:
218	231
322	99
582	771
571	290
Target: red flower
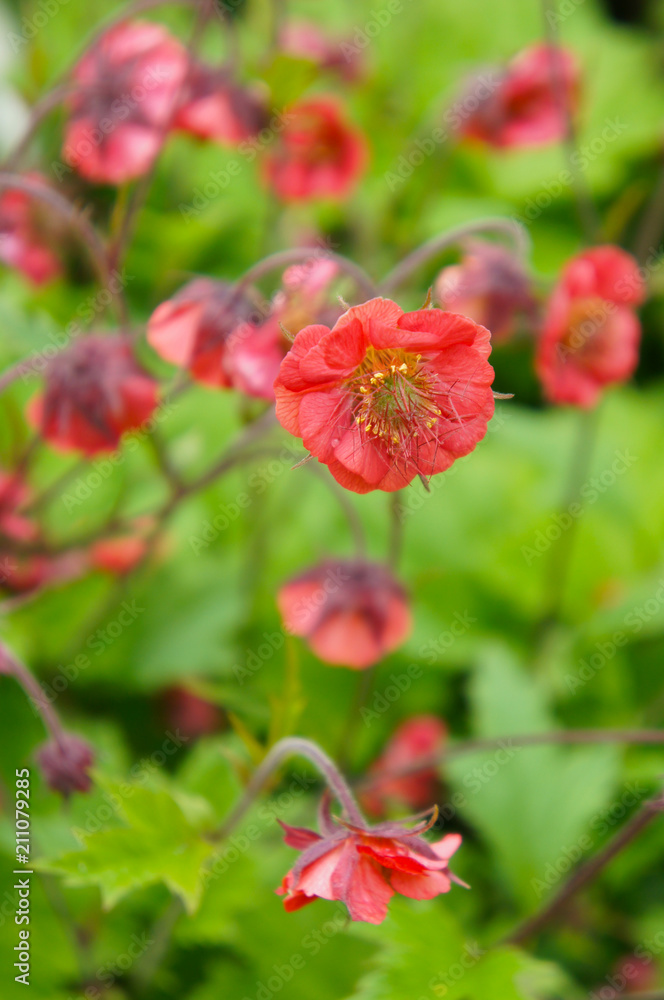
385	395
530	104
489	286
95	391
364	867
415	739
591	333
189	714
215	107
255	351
192	328
128	85
352	613
24	236
64	763
14	494
118	555
317	155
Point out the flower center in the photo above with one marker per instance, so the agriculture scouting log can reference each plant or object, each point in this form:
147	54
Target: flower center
586	320
395	397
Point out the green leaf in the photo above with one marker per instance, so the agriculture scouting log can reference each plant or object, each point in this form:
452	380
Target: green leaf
156	843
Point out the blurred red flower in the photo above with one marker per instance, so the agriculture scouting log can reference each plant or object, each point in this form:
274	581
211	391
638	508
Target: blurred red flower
363	868
192	329
305	40
317	155
128	82
64	762
15	494
415	739
591	333
256	350
25	234
95	391
385	395
530	104
489	286
189	714
352	613
216	107
118	555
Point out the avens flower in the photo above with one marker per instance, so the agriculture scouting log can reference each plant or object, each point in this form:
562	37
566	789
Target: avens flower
64	763
364	866
489	286
385	396
591	333
95	391
26	231
415	739
352	613
530	104
215	106
127	88
317	155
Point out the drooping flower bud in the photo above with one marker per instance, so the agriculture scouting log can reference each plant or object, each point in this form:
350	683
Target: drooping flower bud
65	763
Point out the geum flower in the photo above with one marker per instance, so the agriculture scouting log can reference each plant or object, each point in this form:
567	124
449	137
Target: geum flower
353	613
385	396
530	105
490	286
127	87
193	327
591	333
95	391
256	349
364	866
214	106
416	739
317	155
25	233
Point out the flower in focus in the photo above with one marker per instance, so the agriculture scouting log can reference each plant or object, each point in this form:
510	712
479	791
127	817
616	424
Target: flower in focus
414	740
128	85
256	350
305	40
489	286
385	396
95	391
317	155
64	762
364	867
215	107
530	104
25	233
192	329
591	333
189	714
352	612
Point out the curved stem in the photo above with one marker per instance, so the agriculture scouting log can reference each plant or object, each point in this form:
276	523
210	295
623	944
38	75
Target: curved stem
586	872
282	258
510	228
294	746
654	737
396	531
39	112
10	664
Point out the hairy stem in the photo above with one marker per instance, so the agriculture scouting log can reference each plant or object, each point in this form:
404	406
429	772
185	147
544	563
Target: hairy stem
10	664
509	228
